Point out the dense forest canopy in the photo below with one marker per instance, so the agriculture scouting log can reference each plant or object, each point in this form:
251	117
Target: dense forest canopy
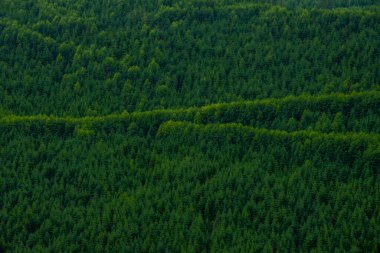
98	57
189	126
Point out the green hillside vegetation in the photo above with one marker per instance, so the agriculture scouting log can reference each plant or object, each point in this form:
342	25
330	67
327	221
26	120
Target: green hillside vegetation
355	112
189	126
86	59
114	181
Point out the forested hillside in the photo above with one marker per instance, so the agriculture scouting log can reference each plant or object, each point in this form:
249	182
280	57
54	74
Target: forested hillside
100	57
189	126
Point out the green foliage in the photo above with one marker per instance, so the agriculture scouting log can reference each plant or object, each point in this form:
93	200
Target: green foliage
186	46
189	126
77	87
83	131
223	187
326	113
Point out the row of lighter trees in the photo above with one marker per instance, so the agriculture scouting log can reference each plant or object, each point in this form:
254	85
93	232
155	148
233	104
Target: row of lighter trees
328	113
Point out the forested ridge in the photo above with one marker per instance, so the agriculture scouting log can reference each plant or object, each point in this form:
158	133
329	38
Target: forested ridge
189	126
101	57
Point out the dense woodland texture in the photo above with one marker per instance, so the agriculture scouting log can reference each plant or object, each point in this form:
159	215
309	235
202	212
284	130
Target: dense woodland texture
189	126
101	57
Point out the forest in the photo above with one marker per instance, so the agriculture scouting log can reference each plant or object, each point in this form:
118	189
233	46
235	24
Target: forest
189	126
